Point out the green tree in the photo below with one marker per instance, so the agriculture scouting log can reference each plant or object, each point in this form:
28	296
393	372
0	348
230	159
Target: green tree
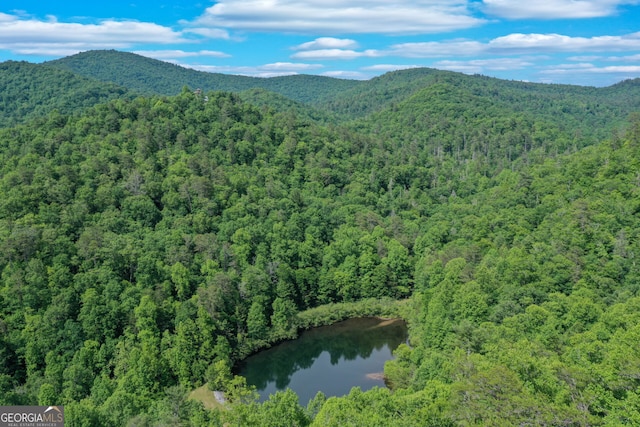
282	319
257	324
219	375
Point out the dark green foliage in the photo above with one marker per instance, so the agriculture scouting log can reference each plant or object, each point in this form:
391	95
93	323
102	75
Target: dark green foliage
30	91
150	76
147	244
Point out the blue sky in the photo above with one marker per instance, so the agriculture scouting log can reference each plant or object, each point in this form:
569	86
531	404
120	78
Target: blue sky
584	42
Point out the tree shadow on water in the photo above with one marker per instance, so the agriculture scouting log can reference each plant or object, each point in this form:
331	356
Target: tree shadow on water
345	340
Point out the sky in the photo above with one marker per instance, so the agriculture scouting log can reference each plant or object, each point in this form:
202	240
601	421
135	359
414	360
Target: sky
582	42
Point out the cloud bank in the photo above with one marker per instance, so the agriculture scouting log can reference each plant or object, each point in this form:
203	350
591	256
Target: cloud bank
554	9
31	36
340	16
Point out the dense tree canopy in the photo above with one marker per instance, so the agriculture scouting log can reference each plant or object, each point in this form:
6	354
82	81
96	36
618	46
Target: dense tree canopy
31	91
148	244
151	76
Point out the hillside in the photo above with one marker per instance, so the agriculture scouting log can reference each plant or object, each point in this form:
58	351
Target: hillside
30	91
451	127
151	76
274	101
147	244
595	108
569	107
589	113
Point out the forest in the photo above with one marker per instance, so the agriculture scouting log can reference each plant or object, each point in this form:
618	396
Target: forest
151	238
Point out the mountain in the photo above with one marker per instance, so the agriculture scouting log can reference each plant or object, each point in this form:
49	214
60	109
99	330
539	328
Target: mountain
581	110
30	90
584	104
151	76
492	124
349	99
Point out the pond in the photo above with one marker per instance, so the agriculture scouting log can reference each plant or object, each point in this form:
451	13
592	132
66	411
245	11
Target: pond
331	359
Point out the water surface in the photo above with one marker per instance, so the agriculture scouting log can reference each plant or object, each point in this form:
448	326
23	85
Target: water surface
331	359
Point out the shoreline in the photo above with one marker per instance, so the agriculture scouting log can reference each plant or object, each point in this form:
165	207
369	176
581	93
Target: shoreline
386	310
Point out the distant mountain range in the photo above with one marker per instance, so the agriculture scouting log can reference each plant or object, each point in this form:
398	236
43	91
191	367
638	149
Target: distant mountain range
150	76
72	83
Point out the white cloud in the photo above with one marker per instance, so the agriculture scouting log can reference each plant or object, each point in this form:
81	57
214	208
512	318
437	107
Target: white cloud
340	16
482	65
554	9
6	18
331	48
327	43
632	70
627	58
52	49
289	66
437	49
624	69
266	70
585	58
31	36
124	32
518	43
211	33
335	54
353	75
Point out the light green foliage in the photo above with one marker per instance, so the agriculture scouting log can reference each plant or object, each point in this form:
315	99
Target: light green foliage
282	408
282	323
257	324
180	278
398	372
379	407
219	375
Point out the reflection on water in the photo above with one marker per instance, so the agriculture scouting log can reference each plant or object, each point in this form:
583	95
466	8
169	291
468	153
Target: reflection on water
331	359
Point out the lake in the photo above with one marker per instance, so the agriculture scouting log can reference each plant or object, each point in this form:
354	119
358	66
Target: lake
331	359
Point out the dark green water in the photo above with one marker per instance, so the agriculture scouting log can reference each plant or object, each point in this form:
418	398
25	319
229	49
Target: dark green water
331	359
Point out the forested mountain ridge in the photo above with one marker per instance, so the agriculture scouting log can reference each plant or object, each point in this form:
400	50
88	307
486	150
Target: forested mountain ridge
146	244
28	91
600	107
151	76
570	108
455	131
